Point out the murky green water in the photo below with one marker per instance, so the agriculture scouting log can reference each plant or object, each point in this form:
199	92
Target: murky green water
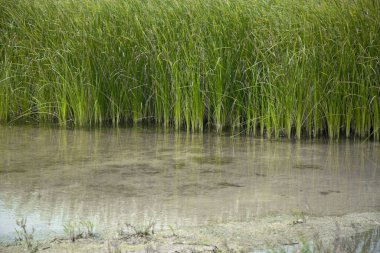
113	176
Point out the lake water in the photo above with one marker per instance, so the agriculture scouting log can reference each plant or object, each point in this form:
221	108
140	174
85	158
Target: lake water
116	176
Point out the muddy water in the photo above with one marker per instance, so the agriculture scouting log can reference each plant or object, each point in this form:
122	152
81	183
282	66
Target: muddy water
111	177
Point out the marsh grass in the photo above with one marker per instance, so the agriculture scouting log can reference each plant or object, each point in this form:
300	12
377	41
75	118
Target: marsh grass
273	68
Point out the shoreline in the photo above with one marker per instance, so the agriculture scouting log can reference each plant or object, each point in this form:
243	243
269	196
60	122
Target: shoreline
259	235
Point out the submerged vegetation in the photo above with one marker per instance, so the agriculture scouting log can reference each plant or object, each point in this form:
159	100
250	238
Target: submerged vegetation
267	67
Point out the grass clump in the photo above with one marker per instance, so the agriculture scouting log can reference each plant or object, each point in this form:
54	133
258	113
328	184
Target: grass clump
273	68
75	231
140	231
26	237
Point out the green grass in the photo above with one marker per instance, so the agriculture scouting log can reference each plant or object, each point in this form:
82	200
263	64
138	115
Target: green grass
266	67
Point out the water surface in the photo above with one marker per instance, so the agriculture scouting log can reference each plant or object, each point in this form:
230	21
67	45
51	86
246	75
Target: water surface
114	176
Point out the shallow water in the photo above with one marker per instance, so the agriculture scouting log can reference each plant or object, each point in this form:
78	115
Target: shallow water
116	176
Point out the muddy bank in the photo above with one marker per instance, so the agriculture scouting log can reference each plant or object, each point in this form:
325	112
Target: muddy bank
334	232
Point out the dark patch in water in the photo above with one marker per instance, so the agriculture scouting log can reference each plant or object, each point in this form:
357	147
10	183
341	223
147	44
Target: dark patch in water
328	192
12	171
226	184
117	166
106	171
209	171
213	160
260	174
307	167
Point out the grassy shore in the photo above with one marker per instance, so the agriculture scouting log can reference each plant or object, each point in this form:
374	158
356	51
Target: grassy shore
265	67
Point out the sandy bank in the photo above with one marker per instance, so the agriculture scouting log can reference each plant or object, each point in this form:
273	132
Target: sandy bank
263	233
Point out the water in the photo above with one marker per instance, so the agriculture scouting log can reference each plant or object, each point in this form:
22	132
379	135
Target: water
113	176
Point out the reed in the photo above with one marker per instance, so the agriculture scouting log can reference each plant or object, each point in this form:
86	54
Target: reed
274	68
